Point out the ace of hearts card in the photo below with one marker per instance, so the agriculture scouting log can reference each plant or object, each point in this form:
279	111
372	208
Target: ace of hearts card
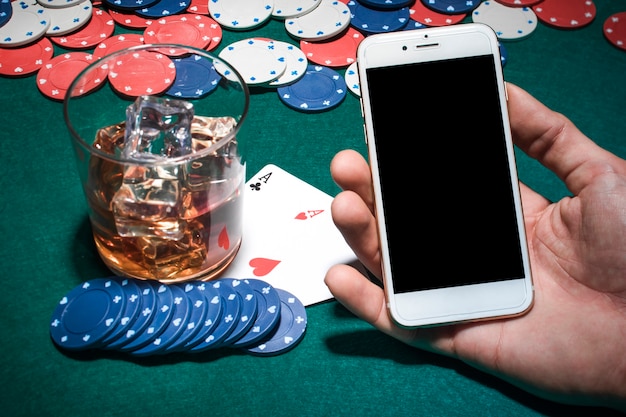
289	238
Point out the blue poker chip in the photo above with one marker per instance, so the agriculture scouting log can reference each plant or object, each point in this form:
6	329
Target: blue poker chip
129	4
147	303
6	11
195	77
249	309
268	316
290	330
414	24
504	54
231	301
87	314
214	308
131	310
387	4
162	8
160	340
370	21
320	88
197	312
160	318
451	6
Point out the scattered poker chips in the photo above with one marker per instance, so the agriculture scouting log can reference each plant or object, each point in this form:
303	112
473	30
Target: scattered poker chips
509	23
328	19
143	318
566	14
370	21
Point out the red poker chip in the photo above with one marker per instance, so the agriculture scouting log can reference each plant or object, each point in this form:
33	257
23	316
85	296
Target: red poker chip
116	43
519	3
55	77
130	20
199	7
99	28
337	52
565	14
25	60
185	29
142	72
615	30
420	13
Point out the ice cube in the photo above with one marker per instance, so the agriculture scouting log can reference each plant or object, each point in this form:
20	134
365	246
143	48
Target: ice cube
158	128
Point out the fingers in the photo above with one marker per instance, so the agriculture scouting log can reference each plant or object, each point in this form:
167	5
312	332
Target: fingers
554	141
351	172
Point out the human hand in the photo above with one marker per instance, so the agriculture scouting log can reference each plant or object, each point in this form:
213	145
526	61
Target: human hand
570	347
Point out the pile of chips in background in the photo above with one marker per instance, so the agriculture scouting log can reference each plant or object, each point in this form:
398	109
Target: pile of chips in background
312	73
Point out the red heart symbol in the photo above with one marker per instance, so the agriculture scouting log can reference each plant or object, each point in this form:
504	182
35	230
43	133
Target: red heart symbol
262	266
301	216
222	239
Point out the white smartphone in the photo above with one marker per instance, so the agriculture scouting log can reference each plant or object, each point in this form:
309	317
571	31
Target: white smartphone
446	190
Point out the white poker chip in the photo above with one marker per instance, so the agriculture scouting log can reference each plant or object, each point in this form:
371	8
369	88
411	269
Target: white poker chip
284	9
295	60
241	14
352	79
256	60
29	22
329	18
56	4
68	19
509	23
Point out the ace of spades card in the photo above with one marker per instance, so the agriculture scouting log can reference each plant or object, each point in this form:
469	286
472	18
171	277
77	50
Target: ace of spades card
289	238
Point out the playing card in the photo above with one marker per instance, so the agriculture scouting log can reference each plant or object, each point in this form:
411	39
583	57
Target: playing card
289	238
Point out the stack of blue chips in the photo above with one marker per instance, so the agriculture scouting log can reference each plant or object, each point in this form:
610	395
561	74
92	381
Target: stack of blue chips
143	317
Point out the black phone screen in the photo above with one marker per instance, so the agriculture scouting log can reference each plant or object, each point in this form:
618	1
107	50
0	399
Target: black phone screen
446	186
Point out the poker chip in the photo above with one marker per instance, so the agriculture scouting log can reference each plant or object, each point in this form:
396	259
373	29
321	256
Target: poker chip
198	7
28	23
158	320
117	43
129	5
163	8
58	4
147	302
352	79
184	29
87	314
328	19
268	316
284	9
130	19
504	54
295	63
54	78
6	11
241	14
172	329
321	88
519	3
142	72
145	317
338	52
27	59
195	77
231	302
69	19
255	59
509	23
248	309
566	14
614	29
371	21
290	330
414	24
422	14
451	6
388	4
99	27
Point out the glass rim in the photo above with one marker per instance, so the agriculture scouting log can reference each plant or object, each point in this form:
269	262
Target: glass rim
165	160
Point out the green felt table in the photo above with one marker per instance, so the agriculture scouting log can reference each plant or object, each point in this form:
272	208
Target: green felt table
343	366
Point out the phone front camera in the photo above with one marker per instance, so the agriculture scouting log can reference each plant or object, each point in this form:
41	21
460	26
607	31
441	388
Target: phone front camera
404	48
426	36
